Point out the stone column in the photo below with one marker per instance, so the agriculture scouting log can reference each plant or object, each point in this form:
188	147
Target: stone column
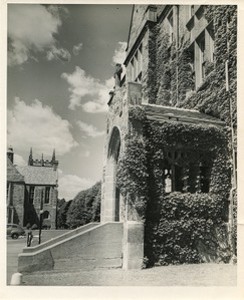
108	211
133	245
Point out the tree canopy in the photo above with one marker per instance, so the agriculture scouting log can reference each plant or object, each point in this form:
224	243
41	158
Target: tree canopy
85	207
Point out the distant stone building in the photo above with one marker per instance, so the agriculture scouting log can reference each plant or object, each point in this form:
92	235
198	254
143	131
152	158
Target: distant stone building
32	189
171	126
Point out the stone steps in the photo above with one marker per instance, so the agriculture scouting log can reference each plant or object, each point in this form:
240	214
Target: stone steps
99	246
79	263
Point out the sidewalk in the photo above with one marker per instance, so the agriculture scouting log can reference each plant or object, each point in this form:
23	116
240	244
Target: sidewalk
182	275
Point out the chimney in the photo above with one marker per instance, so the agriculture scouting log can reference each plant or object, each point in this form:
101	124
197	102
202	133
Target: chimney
10	154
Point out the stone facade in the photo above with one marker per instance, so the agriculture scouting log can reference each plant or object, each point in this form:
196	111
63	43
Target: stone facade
15	192
32	192
167	44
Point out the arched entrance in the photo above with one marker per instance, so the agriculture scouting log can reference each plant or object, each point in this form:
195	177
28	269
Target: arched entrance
111	200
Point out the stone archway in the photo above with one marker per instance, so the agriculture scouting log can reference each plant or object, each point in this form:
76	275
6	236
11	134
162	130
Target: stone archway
111	199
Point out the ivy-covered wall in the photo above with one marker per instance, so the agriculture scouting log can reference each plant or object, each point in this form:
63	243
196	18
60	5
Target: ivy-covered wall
180	227
187	226
212	98
174	76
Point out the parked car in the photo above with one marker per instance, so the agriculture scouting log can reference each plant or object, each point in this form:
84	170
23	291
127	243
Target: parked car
15	231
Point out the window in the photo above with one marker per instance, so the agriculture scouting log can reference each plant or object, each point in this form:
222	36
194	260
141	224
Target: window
45	215
173	179
47	193
31	194
210	42
201	44
140	61
204	179
200	60
173	172
132	70
171	26
178	179
168	180
136	65
204	54
191	10
9	194
191	68
8	184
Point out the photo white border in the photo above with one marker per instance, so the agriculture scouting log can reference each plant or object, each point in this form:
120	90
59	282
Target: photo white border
173	292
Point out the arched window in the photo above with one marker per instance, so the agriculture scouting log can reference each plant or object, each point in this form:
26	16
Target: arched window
46	215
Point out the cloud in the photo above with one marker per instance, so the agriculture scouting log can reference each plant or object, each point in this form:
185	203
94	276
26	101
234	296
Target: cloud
37	126
89	130
58	54
31	29
120	53
77	49
83	87
71	185
19	160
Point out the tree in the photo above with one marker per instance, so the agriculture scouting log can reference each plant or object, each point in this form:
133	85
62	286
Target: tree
85	207
62	208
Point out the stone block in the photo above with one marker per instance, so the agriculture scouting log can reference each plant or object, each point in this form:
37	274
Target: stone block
42	261
102	243
133	245
134	93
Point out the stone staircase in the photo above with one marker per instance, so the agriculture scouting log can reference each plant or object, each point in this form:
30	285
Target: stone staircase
91	246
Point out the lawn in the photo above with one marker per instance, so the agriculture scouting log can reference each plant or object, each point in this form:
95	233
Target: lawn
182	275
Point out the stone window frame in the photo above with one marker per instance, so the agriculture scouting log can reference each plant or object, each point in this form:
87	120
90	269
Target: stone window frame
136	64
191	10
47	195
201	48
31	194
170	19
46	212
174	169
209	35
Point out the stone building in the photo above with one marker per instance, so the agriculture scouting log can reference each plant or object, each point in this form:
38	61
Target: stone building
171	126
32	190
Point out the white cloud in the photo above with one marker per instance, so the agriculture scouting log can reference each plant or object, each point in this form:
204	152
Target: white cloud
77	49
31	28
119	53
37	126
87	153
71	185
58	54
19	160
60	172
83	85
89	129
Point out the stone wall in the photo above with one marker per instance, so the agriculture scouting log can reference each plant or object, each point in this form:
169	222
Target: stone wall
34	209
97	247
17	195
138	22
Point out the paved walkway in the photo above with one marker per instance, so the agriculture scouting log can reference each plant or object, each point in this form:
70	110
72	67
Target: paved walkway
14	247
183	275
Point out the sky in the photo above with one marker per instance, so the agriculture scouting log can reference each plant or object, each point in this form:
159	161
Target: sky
61	60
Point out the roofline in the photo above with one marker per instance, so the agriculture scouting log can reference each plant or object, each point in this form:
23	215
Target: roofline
42	184
137	41
131	18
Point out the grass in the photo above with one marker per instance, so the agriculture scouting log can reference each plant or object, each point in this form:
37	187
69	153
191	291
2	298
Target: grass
182	275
